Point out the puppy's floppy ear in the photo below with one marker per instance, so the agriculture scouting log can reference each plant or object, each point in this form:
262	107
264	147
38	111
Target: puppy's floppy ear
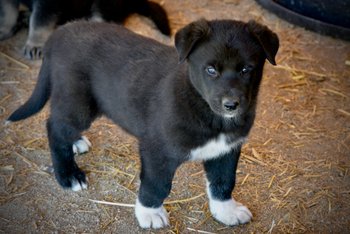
267	39
187	37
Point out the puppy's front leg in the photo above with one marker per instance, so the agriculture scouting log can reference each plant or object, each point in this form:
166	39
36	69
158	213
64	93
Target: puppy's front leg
156	176
221	175
42	23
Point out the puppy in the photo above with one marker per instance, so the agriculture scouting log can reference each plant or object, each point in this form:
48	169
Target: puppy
193	102
47	14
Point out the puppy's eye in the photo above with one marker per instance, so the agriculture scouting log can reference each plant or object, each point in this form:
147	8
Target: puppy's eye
211	71
246	69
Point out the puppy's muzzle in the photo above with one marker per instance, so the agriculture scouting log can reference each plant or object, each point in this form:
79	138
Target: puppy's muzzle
230	104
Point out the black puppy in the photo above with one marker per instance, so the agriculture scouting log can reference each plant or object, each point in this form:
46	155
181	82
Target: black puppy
47	14
200	108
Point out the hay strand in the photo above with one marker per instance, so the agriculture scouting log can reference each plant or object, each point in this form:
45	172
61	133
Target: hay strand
132	205
25	66
295	71
112	203
271	181
324	91
184	200
344	112
200	231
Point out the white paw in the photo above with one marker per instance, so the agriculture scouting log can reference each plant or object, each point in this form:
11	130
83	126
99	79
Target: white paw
151	217
78	186
230	212
81	146
96	17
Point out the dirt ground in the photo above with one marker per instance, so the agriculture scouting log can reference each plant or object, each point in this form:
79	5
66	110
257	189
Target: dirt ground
294	169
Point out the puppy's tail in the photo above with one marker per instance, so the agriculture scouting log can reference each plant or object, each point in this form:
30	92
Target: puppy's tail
157	14
38	98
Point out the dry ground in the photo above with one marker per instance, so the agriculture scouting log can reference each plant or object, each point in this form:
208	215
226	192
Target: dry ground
294	170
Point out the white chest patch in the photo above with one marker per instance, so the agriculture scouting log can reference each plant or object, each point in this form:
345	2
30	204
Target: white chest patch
215	148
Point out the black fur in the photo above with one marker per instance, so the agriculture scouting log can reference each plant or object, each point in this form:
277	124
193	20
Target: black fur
46	14
91	69
221	174
40	96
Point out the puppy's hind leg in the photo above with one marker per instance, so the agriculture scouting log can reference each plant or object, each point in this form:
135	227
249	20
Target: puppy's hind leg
82	145
73	108
61	136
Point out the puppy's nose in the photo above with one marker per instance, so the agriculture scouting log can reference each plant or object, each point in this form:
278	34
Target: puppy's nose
230	104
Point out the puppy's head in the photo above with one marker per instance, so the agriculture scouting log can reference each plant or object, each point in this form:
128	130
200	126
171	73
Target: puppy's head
225	60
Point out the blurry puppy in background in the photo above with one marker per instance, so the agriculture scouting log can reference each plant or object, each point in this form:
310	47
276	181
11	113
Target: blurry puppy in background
47	14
